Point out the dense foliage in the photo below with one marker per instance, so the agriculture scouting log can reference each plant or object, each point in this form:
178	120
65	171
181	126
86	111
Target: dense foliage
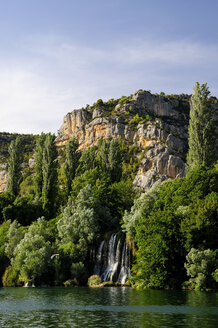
55	213
89	201
184	216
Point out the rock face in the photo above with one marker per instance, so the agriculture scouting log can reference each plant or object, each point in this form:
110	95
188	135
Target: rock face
160	131
3	180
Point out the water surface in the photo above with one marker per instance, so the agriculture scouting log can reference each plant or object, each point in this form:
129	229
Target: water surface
106	307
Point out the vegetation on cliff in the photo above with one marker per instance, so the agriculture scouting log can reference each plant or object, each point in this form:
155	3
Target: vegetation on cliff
62	207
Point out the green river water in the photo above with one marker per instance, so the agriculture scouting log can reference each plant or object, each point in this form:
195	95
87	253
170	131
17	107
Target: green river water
106	307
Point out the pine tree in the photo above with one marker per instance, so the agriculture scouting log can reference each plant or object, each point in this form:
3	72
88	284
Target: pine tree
201	129
49	171
14	170
71	162
38	181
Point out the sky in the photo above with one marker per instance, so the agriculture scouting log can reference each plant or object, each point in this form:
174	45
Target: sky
60	55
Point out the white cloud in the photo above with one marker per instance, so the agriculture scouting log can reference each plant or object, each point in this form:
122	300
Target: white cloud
52	76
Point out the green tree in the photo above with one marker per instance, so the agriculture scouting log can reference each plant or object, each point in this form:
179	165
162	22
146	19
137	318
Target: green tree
6	199
115	160
15	234
200	225
33	253
199	266
102	155
160	253
38	180
87	160
14	171
71	162
201	129
49	170
184	215
23	209
142	206
79	225
4	261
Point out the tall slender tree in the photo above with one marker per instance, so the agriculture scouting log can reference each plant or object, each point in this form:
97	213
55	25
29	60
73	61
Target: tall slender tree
38	180
49	171
14	170
201	129
71	162
102	156
115	160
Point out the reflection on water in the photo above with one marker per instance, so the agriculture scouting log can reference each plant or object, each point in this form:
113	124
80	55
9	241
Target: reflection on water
106	307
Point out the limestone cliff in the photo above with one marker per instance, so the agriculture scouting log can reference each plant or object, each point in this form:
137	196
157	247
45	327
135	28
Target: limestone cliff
157	124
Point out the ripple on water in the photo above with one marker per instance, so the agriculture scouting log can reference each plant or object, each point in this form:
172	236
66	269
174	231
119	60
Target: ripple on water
112	307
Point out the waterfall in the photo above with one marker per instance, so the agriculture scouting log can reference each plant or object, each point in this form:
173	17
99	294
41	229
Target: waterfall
112	262
125	264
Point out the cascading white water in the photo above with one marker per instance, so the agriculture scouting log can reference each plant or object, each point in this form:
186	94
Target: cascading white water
125	264
111	267
113	260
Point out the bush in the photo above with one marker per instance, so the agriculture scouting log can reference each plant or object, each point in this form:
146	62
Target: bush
10	277
94	280
99	103
71	283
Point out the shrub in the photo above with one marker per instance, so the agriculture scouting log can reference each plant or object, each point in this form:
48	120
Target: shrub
71	283
10	277
94	280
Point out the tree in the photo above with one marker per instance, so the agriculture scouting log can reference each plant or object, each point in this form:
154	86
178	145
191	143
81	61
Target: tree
115	160
201	129
38	181
87	160
6	199
199	266
23	209
71	162
46	173
142	205
3	239
102	155
14	170
15	234
79	224
49	174
33	253
159	256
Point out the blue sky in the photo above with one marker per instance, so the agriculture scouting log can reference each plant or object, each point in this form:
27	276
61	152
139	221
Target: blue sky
58	55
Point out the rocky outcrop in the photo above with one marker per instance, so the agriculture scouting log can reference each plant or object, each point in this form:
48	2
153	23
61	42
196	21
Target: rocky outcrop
161	133
3	180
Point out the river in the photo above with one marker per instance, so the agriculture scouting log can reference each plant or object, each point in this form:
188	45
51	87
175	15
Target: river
106	307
